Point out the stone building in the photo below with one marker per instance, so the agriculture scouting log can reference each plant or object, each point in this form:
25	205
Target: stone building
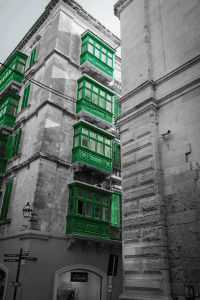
160	143
60	158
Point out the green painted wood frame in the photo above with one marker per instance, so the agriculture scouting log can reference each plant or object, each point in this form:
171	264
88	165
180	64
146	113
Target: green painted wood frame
8	109
92	146
6	201
95	99
97	52
13	70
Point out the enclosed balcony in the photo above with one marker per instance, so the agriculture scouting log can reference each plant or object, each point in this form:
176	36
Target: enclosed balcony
96	53
8	109
13	70
93	212
95	99
3	162
92	146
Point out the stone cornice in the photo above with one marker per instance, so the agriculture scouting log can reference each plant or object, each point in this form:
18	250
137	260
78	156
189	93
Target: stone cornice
34	157
135	112
48	9
143	86
119	6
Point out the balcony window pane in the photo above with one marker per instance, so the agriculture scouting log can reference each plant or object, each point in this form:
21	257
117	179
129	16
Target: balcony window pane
97	45
105	200
110	62
80	94
89	195
84	141
22	60
100	148
12	110
97	53
84	48
80	193
102	102
105	213
84	41
87	94
76	141
93	134
102	93
108	106
77	131
90	48
80	207
72	193
87	84
92	145
20	67
95	89
109	97
103	50
100	138
90	40
107	141
85	131
97	211
103	57
88	209
107	151
110	54
80	84
13	101
71	207
97	197
95	98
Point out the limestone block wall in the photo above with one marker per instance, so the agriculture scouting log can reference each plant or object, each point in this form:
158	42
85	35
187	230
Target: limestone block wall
180	164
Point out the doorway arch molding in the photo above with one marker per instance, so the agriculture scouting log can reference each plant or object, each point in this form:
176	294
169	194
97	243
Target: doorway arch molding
2	267
86	268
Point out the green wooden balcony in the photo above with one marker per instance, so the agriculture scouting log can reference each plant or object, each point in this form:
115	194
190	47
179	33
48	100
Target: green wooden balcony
92	146
92	212
95	99
97	52
13	70
8	109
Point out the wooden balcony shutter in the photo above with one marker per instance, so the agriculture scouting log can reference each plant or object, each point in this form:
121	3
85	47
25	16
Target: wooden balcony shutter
6	200
9	147
32	59
25	96
16	143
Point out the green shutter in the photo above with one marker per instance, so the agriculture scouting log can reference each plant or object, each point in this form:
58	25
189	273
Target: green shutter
6	200
115	153
25	96
115	210
32	59
16	143
3	163
9	147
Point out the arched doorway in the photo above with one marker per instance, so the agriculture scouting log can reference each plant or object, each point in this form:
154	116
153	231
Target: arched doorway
3	281
80	282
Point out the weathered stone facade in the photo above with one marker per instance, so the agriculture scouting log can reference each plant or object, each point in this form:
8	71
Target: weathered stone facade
42	170
159	128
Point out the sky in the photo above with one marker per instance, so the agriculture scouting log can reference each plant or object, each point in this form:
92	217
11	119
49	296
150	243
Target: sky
17	17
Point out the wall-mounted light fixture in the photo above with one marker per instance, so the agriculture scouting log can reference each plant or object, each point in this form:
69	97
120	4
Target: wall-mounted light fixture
27	210
164	135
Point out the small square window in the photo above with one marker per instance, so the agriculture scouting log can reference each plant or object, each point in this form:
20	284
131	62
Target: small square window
80	207
80	193
97	45
110	54
103	50
13	101
87	84
92	134
91	41
95	89
85	131
77	131
102	102
80	84
97	197
109	97
107	141
12	110
105	200
89	195
100	138
102	93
